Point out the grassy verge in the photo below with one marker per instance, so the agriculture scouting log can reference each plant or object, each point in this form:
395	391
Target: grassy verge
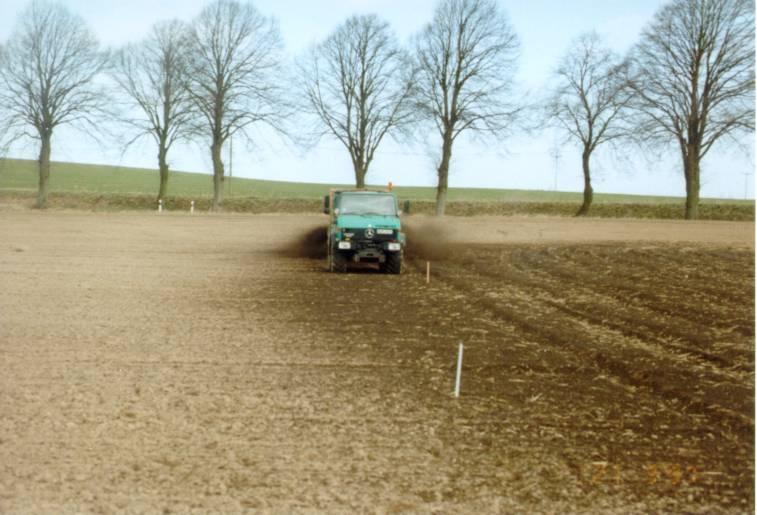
667	211
128	202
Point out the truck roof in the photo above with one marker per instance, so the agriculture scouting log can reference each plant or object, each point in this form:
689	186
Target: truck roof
364	191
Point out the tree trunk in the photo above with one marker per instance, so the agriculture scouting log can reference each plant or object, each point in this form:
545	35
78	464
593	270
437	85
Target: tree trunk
441	188
44	171
588	190
691	172
215	151
163	167
359	174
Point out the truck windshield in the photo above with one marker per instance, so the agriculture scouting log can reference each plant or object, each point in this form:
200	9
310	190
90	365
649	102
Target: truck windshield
367	204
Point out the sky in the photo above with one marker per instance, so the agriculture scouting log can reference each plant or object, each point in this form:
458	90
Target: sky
541	160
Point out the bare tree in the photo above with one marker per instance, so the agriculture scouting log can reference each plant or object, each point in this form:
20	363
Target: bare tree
357	84
234	74
466	62
48	77
6	119
152	73
589	96
694	79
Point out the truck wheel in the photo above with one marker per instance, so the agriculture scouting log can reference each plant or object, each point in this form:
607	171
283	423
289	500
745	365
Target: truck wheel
338	262
393	263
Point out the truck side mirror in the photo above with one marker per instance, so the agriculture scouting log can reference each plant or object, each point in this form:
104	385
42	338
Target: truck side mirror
326	204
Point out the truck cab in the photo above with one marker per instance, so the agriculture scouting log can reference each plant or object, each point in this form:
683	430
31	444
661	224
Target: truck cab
364	227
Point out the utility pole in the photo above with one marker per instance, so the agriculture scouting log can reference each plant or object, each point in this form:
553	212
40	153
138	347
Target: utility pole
231	162
556	155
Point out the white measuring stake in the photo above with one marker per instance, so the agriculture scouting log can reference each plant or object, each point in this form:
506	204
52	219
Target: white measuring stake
428	272
160	206
192	207
459	370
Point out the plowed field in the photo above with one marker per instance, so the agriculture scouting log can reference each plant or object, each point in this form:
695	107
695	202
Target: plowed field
177	363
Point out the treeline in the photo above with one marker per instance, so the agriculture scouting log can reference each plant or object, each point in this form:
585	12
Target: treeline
105	202
689	81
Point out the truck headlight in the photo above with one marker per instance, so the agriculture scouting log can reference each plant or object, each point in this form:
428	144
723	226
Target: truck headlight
393	246
345	245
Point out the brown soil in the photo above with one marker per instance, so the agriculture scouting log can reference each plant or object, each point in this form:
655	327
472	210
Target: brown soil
210	364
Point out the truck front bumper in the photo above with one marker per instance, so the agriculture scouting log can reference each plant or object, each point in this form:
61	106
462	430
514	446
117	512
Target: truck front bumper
357	246
368	251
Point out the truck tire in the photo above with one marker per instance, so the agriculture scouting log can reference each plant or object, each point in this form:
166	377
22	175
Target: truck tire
393	263
338	262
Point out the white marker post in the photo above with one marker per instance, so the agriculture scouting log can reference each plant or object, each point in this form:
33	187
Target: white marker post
459	370
192	207
428	272
160	206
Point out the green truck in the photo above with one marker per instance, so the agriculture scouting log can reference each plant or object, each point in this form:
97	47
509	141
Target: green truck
364	227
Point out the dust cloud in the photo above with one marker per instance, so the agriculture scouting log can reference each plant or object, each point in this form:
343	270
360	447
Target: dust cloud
310	244
428	240
425	240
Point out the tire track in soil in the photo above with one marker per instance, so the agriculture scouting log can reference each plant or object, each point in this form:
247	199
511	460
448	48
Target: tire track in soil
727	334
712	305
722	318
582	263
632	363
553	333
669	267
505	408
538	378
402	388
554	277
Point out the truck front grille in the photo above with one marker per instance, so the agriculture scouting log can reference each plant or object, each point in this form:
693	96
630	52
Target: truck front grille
359	234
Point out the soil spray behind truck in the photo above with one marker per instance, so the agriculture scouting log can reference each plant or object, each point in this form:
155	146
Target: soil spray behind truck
364	227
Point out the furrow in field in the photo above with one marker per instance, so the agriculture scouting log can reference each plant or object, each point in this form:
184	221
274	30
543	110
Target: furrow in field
724	313
683	281
723	337
584	296
583	374
692	270
630	359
